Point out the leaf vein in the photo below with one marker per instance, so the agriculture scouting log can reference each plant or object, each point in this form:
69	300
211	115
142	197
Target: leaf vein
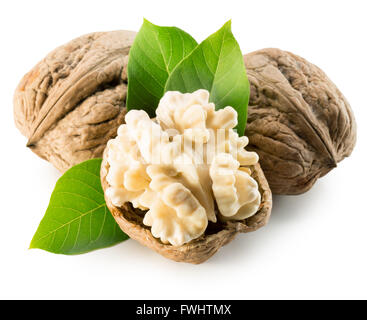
84	183
75	194
71	221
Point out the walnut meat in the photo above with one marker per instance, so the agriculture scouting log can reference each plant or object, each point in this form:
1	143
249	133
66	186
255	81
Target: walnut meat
184	168
299	123
71	103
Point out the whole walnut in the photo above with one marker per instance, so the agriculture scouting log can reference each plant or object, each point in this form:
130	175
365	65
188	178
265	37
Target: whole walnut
71	103
299	123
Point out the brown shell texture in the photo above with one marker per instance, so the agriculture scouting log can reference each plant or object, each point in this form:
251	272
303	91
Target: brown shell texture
198	250
299	123
71	103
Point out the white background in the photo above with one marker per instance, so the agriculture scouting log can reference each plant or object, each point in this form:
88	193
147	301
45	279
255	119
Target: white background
314	245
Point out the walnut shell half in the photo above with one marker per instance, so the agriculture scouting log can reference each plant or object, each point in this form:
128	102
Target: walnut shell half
198	250
299	123
70	104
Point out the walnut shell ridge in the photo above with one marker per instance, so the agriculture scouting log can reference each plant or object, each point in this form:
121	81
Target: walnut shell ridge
299	123
198	250
70	104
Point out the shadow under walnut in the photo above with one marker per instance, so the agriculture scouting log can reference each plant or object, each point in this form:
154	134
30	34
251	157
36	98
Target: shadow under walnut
198	250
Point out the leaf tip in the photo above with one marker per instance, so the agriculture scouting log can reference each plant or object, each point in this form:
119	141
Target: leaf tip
147	22
228	24
31	246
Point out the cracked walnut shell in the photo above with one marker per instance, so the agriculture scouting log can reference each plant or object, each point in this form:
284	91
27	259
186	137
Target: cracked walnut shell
70	104
299	123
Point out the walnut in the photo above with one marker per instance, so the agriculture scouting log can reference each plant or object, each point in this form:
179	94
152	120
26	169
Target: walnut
198	250
299	123
70	104
181	187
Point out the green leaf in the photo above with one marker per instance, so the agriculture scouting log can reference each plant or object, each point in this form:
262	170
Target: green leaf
153	55
216	65
77	219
